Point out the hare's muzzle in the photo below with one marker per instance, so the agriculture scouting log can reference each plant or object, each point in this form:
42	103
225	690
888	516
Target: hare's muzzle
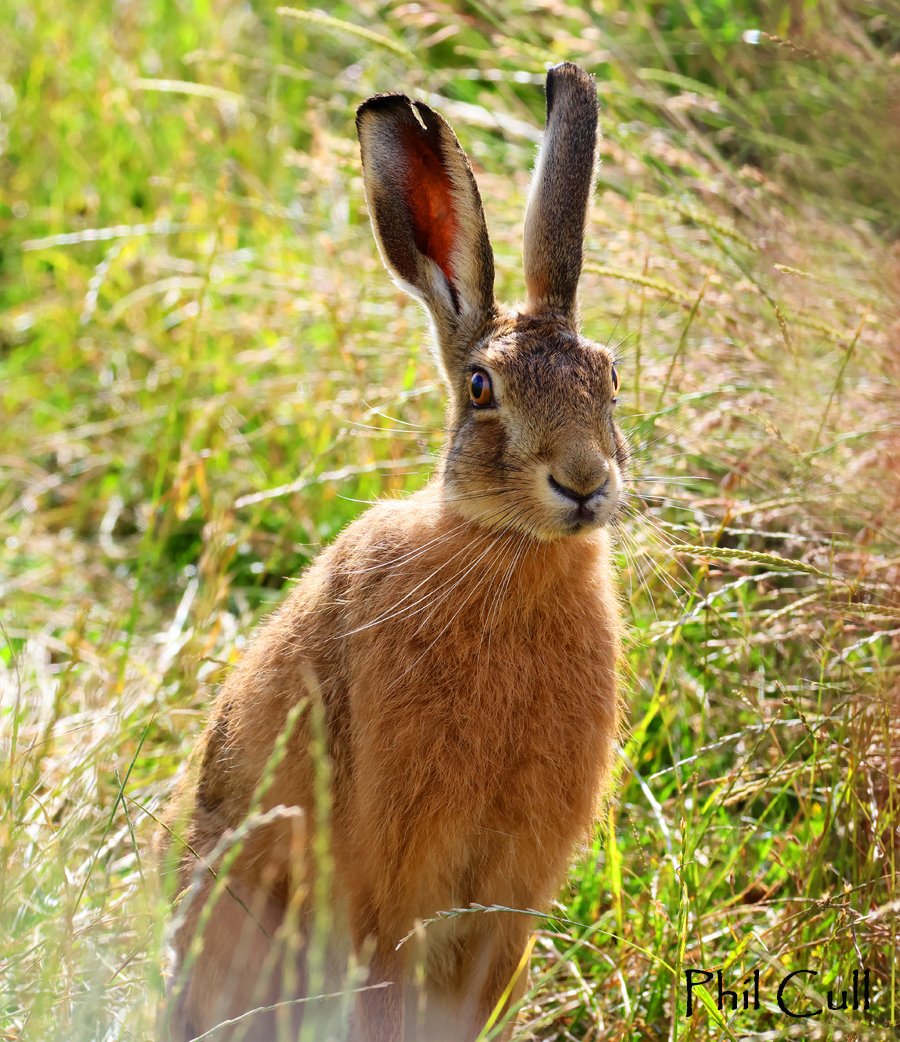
584	490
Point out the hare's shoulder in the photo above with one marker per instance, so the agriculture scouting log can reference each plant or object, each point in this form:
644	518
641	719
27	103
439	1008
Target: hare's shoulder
390	531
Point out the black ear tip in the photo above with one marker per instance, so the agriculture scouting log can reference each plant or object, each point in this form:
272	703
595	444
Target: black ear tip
400	108
568	76
568	69
383	103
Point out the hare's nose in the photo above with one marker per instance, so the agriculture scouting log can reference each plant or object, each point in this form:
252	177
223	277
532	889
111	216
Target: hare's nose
578	495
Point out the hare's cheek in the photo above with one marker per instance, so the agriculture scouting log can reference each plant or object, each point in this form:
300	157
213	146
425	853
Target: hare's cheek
478	453
491	443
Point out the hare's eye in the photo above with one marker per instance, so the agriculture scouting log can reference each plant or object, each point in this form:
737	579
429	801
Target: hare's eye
615	380
480	390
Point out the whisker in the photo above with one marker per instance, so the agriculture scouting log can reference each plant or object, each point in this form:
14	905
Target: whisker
449	623
517	549
650	318
621	314
390	613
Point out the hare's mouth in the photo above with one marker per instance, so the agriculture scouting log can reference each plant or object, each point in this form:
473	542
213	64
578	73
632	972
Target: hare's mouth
576	510
583	520
584	515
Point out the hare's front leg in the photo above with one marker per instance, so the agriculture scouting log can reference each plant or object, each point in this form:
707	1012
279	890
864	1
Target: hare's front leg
506	976
379	1014
496	976
460	979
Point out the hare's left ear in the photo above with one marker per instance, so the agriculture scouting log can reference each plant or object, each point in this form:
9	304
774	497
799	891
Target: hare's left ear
427	217
561	191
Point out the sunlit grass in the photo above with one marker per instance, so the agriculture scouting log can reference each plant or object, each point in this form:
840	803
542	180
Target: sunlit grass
204	373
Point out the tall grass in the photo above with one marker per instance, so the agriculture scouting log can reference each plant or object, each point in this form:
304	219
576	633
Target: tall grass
204	373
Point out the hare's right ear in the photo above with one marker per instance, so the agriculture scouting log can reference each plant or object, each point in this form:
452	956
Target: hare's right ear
427	217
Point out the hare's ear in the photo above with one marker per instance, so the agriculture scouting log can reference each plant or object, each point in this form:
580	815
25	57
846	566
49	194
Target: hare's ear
561	192
427	216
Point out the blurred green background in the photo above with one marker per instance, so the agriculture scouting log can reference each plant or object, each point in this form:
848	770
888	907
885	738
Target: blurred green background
205	373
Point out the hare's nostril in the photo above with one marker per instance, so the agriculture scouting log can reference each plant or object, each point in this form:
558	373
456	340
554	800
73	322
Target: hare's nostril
570	493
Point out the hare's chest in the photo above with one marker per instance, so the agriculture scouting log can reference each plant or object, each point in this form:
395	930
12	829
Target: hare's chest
500	724
489	678
482	730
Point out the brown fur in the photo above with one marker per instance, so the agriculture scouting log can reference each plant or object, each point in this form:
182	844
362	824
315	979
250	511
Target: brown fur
557	210
459	647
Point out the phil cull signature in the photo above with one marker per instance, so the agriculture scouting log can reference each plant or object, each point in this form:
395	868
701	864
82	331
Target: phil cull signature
787	992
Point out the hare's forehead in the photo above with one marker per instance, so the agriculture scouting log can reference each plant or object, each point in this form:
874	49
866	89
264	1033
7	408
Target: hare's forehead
561	360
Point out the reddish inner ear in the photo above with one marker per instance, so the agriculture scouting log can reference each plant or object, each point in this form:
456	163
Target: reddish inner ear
429	198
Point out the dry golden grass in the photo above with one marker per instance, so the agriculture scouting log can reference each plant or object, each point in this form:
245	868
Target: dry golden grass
204	373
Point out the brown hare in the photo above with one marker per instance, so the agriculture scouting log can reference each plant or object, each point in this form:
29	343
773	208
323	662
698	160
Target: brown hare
454	653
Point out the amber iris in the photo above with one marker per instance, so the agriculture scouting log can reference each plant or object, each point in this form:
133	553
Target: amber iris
480	390
615	380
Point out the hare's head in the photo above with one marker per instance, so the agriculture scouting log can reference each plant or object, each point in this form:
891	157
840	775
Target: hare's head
533	442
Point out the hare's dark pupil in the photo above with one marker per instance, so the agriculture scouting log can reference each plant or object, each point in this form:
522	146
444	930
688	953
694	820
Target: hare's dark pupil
477	385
